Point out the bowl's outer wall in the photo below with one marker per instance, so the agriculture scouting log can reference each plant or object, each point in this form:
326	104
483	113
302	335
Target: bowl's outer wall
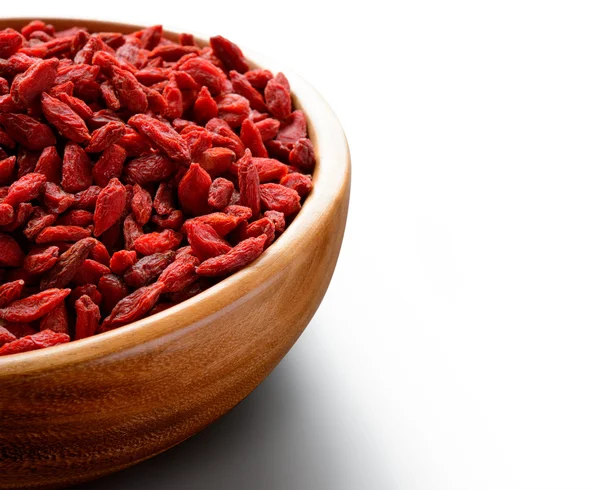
79	411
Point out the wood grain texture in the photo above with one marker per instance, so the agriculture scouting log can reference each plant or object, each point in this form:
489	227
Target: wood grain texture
82	410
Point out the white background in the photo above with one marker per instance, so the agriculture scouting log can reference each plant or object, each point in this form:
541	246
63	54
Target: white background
457	347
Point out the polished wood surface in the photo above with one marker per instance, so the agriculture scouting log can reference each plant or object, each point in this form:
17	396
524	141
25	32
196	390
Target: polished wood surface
82	410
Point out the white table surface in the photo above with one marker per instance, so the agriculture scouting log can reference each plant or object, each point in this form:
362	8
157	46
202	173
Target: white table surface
457	347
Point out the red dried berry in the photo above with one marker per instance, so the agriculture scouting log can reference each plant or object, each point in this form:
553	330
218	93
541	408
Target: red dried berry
40	261
34	306
155	242
11	254
27	131
105	136
216	161
252	139
122	260
141	205
220	193
68	263
249	181
40	340
65	119
238	257
87	317
180	274
279	198
303	155
25	189
301	183
163	136
10	42
76	170
113	290
278	219
205	241
7	337
10	291
109	165
229	53
222	223
37	79
90	272
7	168
147	269
133	307
193	191
278	99
258	78
50	165
109	207
56	320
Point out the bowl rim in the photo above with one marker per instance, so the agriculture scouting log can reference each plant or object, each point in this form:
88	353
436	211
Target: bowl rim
330	179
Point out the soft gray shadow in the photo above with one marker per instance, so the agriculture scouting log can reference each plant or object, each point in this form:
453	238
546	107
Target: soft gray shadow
285	435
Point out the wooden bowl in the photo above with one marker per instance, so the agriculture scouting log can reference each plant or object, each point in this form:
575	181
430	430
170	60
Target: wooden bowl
78	411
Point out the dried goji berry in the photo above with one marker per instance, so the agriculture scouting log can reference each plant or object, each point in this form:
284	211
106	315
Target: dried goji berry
10	42
37	79
129	90
122	260
278	99
205	241
105	136
113	290
172	221
11	254
33	307
6	336
220	193
242	86
79	106
109	207
87	317
222	223
249	181
25	189
76	169
56	320
147	269
40	261
258	78
10	291
252	139
141	205
239	256
109	165
90	272
229	53
155	242
163	136
164	198
278	219
56	200
303	155
193	191
7	168
68	263
133	307
279	198
76	217
40	340
7	214
216	161
50	165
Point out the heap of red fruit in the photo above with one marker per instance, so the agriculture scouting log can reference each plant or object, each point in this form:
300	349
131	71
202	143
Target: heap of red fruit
135	171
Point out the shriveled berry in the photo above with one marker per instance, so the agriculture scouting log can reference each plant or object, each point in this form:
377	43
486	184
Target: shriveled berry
109	207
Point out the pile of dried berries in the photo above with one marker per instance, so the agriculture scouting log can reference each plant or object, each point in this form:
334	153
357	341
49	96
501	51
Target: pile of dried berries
134	172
